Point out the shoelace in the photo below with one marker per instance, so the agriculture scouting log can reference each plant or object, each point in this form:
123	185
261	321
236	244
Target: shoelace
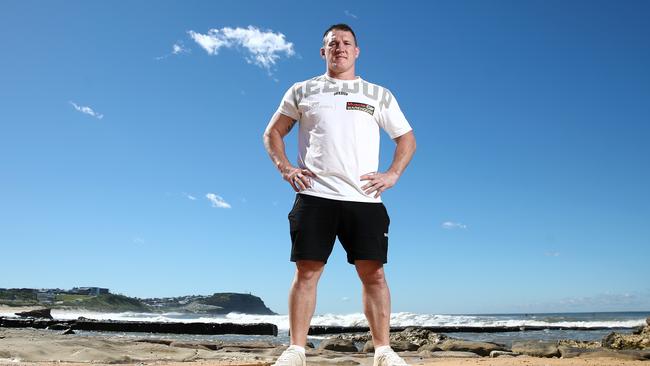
393	358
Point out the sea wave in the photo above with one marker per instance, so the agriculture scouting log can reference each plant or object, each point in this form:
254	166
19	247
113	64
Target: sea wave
358	319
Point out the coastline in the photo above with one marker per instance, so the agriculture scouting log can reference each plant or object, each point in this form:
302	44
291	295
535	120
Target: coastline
31	346
40	347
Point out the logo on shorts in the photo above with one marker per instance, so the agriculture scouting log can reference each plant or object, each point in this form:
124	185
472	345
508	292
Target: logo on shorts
356	106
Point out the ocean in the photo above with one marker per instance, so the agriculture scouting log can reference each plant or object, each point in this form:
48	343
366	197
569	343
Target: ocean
622	322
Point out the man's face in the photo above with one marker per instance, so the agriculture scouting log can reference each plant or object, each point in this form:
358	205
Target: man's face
339	50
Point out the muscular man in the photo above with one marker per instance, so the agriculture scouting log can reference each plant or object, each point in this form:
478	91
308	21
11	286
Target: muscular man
339	186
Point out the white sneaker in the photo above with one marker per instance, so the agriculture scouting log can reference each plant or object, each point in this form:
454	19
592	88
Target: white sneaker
389	358
291	357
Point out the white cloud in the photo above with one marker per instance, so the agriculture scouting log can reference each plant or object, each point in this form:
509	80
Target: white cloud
263	48
345	298
217	201
453	225
177	49
347	12
189	196
86	110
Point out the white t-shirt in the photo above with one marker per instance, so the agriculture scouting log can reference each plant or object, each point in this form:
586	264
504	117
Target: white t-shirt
338	138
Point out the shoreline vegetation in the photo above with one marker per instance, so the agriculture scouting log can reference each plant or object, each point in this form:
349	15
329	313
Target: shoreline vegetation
101	300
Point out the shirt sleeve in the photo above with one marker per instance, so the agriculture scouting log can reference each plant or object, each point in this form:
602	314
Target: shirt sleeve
289	104
392	120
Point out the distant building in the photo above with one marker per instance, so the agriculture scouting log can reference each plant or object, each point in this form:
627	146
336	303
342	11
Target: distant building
94	291
45	296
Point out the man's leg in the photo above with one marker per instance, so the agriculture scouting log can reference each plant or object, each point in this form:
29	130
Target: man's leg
302	299
376	299
376	306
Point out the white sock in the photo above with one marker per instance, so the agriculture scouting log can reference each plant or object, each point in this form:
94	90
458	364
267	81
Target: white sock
297	348
381	349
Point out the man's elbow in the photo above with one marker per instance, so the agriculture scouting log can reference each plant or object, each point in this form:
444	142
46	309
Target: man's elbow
414	144
268	132
408	140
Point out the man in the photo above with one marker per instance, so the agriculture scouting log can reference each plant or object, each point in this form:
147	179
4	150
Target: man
338	185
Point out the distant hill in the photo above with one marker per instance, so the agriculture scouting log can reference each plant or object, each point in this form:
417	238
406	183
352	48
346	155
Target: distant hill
218	303
215	304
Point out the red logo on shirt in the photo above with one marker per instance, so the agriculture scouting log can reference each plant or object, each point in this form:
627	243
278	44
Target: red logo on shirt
356	106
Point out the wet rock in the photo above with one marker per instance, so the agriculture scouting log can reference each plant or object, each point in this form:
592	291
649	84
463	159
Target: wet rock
415	335
647	321
368	347
189	345
480	348
355	337
58	326
38	313
68	331
338	345
495	354
536	348
431	347
418	336
397	346
176	327
571	352
628	341
448	354
579	344
154	341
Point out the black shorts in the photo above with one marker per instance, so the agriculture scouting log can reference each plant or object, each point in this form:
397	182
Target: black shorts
315	222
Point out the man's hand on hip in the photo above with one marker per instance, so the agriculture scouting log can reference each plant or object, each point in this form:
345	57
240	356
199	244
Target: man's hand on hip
300	179
378	182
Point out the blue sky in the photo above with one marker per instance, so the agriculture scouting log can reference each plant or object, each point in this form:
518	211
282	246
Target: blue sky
132	158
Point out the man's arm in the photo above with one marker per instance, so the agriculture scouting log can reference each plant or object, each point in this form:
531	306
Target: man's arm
379	182
279	126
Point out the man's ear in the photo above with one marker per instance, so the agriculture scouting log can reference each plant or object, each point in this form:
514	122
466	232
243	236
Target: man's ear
322	52
357	52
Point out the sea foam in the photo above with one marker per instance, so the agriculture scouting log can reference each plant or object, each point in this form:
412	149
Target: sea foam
358	319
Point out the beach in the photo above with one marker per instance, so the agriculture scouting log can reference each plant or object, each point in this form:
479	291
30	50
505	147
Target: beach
40	347
47	346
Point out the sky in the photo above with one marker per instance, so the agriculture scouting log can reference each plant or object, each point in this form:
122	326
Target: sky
131	152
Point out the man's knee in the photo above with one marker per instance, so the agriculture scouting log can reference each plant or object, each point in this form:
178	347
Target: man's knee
309	271
371	273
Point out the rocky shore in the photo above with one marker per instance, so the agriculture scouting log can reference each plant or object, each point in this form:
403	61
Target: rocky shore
429	344
418	345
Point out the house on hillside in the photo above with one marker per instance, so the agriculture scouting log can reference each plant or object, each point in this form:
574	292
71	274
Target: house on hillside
93	291
45	296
